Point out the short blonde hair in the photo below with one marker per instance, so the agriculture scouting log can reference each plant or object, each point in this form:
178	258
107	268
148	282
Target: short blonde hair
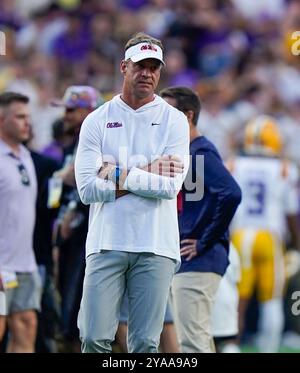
141	37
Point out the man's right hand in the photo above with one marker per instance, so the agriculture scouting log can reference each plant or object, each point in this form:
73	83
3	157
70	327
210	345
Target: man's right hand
167	165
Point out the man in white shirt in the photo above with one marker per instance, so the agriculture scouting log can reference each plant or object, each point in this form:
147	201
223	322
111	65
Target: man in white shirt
130	164
18	191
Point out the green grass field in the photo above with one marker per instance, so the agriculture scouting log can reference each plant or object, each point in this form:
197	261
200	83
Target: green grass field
283	349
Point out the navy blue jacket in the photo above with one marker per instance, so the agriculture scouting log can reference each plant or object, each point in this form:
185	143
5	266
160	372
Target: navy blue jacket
208	219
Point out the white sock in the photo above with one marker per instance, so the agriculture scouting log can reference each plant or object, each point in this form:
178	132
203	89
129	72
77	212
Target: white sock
270	325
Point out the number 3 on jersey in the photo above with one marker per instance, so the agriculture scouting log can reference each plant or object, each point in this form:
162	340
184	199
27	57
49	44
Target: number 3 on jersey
256	197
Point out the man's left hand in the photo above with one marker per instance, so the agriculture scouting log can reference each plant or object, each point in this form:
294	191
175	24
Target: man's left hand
188	248
106	170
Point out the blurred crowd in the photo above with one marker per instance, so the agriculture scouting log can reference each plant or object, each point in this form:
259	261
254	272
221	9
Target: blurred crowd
236	54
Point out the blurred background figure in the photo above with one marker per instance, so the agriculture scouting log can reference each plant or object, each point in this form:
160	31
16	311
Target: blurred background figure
259	229
204	234
72	221
225	318
61	140
48	317
18	187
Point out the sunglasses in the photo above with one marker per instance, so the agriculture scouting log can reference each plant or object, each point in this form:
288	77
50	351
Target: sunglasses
25	180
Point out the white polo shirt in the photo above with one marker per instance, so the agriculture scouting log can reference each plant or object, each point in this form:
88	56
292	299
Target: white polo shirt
146	219
17	211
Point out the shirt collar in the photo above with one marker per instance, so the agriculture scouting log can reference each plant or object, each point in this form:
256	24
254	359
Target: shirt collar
154	102
5	149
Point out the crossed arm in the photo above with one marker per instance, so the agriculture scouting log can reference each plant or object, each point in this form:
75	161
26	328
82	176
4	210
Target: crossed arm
160	179
167	165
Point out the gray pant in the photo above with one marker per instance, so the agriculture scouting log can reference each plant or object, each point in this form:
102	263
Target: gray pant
27	295
147	278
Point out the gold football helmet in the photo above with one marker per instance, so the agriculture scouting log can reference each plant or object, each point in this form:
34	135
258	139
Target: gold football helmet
262	136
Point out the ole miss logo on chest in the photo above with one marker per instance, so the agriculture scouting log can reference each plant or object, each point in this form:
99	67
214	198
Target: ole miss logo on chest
114	125
119	124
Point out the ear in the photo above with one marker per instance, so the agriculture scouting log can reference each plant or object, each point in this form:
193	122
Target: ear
190	115
123	67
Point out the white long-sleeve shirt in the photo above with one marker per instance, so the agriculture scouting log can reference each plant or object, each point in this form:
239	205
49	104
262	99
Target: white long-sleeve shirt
146	219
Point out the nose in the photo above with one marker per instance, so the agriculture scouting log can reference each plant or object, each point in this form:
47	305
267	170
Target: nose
145	72
27	122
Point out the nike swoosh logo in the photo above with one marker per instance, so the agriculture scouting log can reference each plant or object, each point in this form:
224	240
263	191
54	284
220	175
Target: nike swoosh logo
155	124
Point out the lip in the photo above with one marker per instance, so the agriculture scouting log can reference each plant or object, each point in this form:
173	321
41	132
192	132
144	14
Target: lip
145	83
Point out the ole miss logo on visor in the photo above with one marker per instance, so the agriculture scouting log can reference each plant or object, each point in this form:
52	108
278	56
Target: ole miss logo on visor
148	47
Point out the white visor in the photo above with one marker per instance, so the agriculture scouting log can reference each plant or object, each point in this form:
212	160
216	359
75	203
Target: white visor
142	51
